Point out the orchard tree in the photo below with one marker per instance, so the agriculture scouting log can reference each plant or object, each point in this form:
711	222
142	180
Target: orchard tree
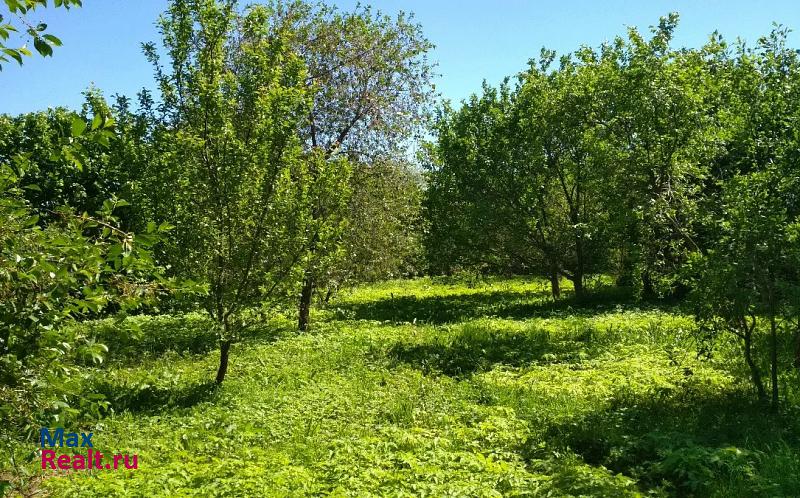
750	280
381	238
561	163
515	182
473	197
661	129
233	95
750	283
368	78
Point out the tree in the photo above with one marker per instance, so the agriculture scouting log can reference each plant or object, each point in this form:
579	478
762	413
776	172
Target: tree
751	275
561	162
70	267
233	99
662	129
69	167
43	42
515	182
749	279
472	199
369	84
381	237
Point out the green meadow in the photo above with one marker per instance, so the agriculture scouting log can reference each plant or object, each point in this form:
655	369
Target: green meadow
432	387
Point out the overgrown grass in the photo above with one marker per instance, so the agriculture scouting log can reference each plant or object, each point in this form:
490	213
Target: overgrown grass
435	388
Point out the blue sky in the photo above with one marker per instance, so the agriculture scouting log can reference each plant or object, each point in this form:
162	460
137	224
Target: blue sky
475	40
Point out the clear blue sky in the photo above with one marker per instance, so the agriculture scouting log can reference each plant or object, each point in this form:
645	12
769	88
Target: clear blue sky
475	39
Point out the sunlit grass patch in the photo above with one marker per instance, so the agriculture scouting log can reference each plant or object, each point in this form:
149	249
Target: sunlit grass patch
608	399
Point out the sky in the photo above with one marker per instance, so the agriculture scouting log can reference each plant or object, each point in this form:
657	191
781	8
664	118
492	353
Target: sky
475	40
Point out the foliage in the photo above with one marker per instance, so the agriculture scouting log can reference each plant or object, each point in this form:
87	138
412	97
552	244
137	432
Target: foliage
564	173
674	169
57	266
233	96
71	268
43	42
749	281
66	156
274	157
380	240
602	404
470	200
369	82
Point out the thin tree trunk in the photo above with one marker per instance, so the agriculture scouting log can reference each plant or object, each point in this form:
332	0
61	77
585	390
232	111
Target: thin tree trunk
797	347
578	285
224	350
773	357
578	282
748	358
555	285
305	301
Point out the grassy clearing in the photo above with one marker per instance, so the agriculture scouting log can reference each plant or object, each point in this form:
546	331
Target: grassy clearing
436	388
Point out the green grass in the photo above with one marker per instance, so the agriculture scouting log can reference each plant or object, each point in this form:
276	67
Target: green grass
436	388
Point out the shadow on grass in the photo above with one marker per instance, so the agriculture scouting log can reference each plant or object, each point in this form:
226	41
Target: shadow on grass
153	336
500	304
478	348
151	399
688	443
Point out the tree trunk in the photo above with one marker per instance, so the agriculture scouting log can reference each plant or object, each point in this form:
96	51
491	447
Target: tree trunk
773	358
224	349
578	285
648	290
555	285
748	358
305	301
797	348
579	266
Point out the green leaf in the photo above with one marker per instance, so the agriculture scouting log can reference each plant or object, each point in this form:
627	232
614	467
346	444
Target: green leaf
53	40
14	6
42	47
78	126
97	121
73	158
14	54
